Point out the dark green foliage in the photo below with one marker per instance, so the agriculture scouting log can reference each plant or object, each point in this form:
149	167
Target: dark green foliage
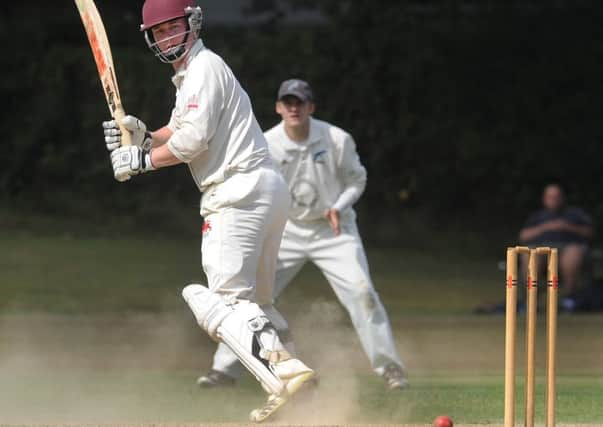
461	110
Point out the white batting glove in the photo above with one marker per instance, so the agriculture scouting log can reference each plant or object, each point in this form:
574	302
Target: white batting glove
129	161
140	136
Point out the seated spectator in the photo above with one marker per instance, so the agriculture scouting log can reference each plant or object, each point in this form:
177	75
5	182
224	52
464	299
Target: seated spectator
568	229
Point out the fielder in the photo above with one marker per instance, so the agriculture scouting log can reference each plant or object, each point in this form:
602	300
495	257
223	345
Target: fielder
325	178
245	200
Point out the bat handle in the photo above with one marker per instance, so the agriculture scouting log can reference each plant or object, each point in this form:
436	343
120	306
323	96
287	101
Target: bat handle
126	136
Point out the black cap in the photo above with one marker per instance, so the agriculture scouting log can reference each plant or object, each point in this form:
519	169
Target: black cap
296	87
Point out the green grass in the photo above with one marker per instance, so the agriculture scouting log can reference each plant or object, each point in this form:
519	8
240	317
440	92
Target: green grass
67	274
170	397
93	330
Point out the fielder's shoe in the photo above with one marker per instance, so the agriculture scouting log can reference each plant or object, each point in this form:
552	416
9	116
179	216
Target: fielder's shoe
215	379
394	378
499	308
293	385
568	305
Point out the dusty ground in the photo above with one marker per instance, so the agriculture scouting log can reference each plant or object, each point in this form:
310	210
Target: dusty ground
140	368
86	339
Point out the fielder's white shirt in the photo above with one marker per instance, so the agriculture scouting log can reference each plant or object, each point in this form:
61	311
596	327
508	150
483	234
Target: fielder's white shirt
323	172
215	130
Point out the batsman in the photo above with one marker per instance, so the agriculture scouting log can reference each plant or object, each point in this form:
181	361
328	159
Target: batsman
244	199
325	177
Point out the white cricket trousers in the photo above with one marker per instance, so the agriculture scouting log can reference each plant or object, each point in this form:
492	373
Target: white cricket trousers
343	262
244	220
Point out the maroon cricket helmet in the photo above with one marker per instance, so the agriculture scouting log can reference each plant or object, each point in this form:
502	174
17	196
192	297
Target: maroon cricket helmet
155	12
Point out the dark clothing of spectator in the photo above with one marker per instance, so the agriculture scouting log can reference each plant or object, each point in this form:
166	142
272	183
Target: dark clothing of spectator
575	216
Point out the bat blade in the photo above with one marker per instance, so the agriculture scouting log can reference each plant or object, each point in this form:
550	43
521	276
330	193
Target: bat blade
101	50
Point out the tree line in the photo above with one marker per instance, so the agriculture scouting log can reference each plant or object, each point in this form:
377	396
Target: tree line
460	113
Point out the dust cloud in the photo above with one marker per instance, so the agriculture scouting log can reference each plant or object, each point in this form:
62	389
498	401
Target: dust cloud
105	369
89	369
324	340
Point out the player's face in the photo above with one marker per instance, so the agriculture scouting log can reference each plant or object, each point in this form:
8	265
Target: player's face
170	35
294	111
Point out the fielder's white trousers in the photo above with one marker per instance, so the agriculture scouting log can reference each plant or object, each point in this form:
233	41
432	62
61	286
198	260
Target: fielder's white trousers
342	260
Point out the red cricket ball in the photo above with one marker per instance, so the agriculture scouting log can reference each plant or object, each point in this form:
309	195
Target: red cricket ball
442	421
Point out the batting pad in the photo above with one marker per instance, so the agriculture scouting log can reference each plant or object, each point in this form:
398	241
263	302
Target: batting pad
239	326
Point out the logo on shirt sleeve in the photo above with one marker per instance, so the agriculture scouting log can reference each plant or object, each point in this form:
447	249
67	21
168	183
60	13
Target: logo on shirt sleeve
192	103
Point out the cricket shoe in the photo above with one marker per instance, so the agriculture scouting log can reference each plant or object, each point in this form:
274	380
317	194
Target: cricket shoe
394	378
293	383
214	379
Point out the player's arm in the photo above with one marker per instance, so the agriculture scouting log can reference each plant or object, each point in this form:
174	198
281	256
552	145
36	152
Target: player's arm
197	125
161	136
353	176
174	144
162	157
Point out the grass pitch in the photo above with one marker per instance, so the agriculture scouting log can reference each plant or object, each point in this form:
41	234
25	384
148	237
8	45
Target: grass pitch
93	331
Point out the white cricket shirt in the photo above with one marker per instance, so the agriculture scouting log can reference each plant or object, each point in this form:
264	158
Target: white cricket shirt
215	130
323	172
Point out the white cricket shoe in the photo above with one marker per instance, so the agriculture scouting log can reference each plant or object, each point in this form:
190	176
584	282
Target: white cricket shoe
295	376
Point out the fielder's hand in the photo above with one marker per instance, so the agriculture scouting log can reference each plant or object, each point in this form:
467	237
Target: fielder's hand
332	215
140	136
129	161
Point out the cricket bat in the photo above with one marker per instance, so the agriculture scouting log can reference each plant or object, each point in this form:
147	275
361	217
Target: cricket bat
101	50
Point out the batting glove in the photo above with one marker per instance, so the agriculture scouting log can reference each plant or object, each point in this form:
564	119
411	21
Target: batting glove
138	129
129	161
